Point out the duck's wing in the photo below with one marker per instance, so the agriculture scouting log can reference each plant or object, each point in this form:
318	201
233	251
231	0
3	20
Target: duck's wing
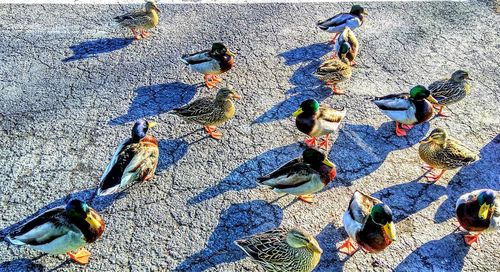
361	205
442	90
334	21
456	151
114	159
394	102
328	66
267	247
292	174
331	115
200	108
197	58
134	19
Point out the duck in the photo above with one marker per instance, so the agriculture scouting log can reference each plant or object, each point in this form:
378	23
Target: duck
317	120
339	22
335	70
451	90
407	109
210	112
347	37
439	151
283	250
369	223
302	176
61	230
135	160
143	19
478	212
211	63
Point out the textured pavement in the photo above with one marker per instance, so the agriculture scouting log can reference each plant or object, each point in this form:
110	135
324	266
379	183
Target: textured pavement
72	83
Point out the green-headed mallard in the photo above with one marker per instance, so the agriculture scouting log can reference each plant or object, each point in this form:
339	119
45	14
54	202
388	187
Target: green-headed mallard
407	109
317	120
347	37
450	90
210	112
211	63
302	176
339	22
334	71
368	221
441	152
143	19
478	211
61	230
283	250
134	160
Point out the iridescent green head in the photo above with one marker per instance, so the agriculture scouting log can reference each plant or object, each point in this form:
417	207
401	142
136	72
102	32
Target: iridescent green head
358	10
486	200
219	49
381	214
344	48
309	106
79	212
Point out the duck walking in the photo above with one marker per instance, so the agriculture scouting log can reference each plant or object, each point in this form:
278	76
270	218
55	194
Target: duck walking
407	109
439	151
143	19
478	212
337	70
369	223
61	230
302	176
339	22
283	250
211	63
451	90
317	120
134	160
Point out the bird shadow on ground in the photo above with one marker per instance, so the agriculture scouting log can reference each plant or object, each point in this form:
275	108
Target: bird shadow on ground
327	240
236	222
22	264
361	149
306	85
92	48
445	254
156	99
171	151
245	176
481	174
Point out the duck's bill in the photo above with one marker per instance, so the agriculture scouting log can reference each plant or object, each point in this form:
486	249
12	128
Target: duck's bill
152	124
236	96
483	211
469	78
390	230
157	10
328	163
432	99
93	222
230	53
314	246
365	12
297	112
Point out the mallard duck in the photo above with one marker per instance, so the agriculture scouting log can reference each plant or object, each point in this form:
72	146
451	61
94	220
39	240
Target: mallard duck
347	37
61	230
302	176
451	90
441	152
339	22
368	221
407	109
143	19
283	250
478	211
211	63
134	160
317	120
334	71
210	112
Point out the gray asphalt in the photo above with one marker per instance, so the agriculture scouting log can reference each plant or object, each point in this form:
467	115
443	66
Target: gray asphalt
72	84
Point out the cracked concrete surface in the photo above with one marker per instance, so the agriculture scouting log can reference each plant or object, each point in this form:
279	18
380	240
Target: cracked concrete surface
72	84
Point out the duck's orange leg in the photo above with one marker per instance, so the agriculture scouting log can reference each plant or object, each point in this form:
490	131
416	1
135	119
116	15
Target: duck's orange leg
81	256
144	34
216	78
399	131
136	36
306	198
334	88
407	127
440	112
211	131
334	39
348	247
210	82
310	142
431	177
427	167
472	240
325	143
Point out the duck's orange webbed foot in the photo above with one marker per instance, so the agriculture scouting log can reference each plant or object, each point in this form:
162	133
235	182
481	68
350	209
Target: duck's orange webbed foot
407	127
427	167
325	144
353	63
209	81
144	34
81	256
400	131
216	78
310	142
211	131
440	112
472	240
136	36
431	177
334	38
306	198
335	90
348	247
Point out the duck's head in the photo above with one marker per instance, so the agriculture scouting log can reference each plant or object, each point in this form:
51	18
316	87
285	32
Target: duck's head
381	214
358	10
486	200
151	5
141	128
78	210
227	93
345	47
219	49
460	75
309	106
317	160
298	238
419	93
438	136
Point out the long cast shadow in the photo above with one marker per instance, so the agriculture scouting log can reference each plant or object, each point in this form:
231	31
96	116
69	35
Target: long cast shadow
445	254
481	174
236	222
171	151
156	99
245	176
327	240
92	48
306	85
22	264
